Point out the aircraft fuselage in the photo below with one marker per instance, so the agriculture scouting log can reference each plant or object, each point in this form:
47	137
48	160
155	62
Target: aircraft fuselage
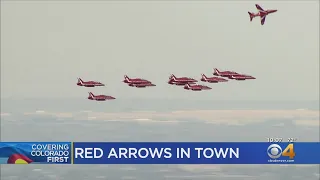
264	13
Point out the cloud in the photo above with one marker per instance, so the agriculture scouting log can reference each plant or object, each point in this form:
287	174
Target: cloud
154	121
38	112
129	168
247	114
128	177
298	165
164	170
86	111
54	114
279	125
211	176
5	114
101	177
200	168
37	170
228	117
143	119
227	122
63	115
307	122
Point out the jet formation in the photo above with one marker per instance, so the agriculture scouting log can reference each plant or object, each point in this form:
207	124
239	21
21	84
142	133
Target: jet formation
187	83
219	76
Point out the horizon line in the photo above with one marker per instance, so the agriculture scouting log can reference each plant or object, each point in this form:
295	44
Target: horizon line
60	98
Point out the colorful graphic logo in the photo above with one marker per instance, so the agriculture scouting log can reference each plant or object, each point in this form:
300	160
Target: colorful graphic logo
17	153
275	151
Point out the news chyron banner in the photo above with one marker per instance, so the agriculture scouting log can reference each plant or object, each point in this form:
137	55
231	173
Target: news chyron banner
159	153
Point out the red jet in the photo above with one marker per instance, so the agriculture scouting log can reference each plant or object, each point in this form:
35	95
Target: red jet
88	83
181	81
262	13
241	77
204	78
99	97
135	80
224	73
196	87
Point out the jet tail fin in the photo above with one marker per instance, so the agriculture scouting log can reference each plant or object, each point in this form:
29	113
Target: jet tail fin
91	94
216	72
127	78
172	76
80	80
204	76
251	16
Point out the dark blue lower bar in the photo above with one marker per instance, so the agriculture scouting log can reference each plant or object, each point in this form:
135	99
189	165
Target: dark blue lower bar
195	153
158	153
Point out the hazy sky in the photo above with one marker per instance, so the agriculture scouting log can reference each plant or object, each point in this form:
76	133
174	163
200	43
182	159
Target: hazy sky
46	46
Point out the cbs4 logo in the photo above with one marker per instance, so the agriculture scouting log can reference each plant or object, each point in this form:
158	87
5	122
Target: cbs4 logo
275	151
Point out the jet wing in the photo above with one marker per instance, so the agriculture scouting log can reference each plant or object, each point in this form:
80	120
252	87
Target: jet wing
263	19
140	82
259	7
110	97
197	88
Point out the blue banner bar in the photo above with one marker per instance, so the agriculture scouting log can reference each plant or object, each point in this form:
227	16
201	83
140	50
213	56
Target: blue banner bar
159	153
195	153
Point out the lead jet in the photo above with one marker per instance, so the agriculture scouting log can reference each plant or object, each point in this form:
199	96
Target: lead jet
99	97
180	81
261	13
196	87
204	78
224	73
241	77
137	82
134	80
89	83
